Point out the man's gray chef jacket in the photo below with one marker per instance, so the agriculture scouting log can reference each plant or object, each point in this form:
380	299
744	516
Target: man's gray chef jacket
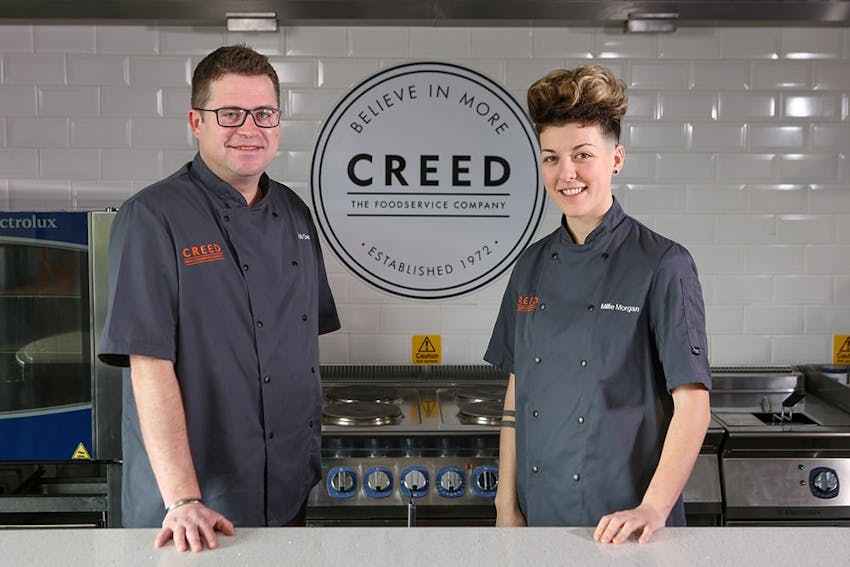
597	336
236	297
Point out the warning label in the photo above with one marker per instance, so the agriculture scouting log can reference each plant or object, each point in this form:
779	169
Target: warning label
81	453
425	349
841	349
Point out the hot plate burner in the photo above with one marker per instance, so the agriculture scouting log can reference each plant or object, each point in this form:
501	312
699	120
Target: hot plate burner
481	413
362	413
474	395
362	393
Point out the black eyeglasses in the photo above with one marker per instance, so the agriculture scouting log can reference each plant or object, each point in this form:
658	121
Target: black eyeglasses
234	117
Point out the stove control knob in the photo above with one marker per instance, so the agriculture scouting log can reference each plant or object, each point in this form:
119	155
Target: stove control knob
414	482
379	483
451	482
342	482
486	480
823	482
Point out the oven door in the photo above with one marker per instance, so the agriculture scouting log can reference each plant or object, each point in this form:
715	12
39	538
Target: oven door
45	352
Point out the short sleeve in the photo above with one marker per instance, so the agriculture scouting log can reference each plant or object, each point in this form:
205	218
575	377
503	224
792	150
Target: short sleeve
677	316
143	287
500	351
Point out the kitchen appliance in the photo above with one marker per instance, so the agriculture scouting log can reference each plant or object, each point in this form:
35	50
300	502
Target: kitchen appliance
419	445
786	457
409	445
59	407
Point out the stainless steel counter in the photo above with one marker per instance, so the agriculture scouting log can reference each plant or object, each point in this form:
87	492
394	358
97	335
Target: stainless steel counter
674	547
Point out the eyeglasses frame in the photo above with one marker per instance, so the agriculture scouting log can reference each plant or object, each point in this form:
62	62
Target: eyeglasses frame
247	112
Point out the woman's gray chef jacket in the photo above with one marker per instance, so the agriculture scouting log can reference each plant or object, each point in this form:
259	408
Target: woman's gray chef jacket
236	297
597	336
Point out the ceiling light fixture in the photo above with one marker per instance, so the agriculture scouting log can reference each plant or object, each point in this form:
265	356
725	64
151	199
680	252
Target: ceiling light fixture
251	21
652	22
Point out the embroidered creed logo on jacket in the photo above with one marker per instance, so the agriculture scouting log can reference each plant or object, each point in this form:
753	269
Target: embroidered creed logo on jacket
200	253
527	303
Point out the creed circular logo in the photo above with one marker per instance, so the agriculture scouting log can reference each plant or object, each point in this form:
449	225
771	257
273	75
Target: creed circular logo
425	182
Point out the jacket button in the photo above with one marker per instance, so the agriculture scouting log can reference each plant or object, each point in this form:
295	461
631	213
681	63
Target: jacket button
226	218
580	420
537	360
534	468
535	413
267	379
542	306
555	256
271	435
591	307
295	263
259	323
274	214
583	363
245	267
605	255
576	477
304	317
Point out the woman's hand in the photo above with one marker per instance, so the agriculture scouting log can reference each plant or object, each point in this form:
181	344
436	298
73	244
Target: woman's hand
619	526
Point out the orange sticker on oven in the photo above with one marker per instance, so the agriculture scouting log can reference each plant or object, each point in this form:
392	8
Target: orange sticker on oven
841	349
425	349
429	408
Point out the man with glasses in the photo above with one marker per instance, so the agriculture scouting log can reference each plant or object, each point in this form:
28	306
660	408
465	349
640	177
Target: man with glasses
218	293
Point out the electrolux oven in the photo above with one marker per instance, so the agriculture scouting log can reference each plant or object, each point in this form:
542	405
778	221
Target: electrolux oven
59	407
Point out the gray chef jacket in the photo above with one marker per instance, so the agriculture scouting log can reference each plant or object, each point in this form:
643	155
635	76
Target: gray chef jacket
236	297
597	336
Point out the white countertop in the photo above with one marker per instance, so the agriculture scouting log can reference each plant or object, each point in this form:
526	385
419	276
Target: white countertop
411	547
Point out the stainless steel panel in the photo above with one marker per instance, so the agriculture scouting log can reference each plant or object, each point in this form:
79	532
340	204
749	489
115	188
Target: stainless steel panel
774	482
704	483
106	380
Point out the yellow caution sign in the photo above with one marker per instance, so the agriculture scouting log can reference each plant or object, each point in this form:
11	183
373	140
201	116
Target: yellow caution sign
841	349
425	349
81	453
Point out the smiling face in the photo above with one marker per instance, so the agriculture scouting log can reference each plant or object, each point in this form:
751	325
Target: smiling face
237	155
577	163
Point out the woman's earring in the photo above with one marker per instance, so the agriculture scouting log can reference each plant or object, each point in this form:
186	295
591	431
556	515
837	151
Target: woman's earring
616	171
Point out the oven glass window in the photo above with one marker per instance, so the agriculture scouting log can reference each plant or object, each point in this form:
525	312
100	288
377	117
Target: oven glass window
44	328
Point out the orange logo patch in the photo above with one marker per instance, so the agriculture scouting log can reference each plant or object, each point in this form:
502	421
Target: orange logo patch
202	253
527	303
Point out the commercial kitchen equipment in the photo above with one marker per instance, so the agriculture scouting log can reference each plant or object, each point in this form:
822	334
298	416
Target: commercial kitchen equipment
786	456
59	406
426	438
399	437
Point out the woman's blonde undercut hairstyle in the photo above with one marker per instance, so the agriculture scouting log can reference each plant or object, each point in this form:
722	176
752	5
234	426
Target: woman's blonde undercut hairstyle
588	95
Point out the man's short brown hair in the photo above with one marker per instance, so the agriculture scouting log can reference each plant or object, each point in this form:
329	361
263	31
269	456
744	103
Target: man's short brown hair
235	59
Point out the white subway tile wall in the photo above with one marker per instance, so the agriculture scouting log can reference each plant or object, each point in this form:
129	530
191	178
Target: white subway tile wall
736	147
4	194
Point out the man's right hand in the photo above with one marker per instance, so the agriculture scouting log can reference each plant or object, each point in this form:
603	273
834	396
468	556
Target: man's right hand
191	525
